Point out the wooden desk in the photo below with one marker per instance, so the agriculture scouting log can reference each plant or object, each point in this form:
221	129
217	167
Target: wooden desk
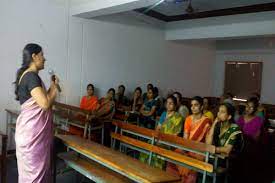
116	161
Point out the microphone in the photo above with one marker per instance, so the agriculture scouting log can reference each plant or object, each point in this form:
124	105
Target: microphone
51	72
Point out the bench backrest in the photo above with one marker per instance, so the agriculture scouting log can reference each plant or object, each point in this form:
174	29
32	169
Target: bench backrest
174	156
73	113
188	144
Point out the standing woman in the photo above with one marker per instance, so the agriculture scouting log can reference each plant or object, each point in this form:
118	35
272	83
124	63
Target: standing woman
34	126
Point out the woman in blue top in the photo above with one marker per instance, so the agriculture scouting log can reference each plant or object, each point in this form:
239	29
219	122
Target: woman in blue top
148	110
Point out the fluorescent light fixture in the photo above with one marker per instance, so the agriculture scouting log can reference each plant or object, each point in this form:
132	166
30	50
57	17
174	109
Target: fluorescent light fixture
240	99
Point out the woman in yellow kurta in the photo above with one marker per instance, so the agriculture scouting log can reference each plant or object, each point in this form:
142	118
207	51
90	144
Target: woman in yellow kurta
206	110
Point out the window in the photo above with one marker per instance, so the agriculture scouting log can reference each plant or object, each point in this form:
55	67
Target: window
243	78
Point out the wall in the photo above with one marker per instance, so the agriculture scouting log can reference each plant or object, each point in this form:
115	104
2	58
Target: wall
39	21
122	50
107	51
256	49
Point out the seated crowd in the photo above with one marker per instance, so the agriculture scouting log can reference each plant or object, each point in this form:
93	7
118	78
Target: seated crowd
232	129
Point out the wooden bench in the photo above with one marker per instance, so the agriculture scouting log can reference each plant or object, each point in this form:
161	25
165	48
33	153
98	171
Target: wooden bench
65	115
91	169
168	140
3	158
116	161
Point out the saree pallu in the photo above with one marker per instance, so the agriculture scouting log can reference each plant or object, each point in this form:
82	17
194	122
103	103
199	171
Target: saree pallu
172	125
229	137
34	137
106	108
197	132
89	104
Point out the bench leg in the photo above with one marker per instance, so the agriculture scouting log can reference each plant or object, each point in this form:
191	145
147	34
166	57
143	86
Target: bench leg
226	174
102	135
89	131
204	177
114	140
3	170
214	177
151	154
85	131
215	168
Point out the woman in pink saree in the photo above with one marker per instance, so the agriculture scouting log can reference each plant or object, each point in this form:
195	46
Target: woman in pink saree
34	134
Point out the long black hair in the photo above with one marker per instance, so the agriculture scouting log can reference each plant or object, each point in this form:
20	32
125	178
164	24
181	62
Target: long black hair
198	99
114	91
173	98
139	89
255	102
90	85
28	50
230	111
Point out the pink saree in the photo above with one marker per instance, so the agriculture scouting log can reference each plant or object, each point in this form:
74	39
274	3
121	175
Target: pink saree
34	137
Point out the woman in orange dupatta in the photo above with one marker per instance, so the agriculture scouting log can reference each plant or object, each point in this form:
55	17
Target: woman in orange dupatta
196	127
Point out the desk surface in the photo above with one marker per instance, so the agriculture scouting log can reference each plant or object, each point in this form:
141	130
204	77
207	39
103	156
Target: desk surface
117	161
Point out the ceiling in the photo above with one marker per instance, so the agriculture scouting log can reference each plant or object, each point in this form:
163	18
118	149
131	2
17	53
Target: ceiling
79	2
174	10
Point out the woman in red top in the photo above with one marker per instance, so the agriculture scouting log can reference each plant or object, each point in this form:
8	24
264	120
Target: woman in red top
90	101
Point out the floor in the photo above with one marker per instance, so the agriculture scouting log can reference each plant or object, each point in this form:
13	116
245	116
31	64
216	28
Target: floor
67	177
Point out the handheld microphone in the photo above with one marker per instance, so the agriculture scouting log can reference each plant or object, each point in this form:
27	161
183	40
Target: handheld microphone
51	72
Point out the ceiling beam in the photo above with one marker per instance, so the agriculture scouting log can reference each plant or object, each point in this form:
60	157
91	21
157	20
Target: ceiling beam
225	27
213	13
95	8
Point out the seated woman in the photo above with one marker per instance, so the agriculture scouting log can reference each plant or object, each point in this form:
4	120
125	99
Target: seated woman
149	86
224	133
121	100
171	122
182	109
159	102
148	110
240	110
89	102
196	127
135	106
261	110
106	105
206	110
253	161
227	138
250	123
136	102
